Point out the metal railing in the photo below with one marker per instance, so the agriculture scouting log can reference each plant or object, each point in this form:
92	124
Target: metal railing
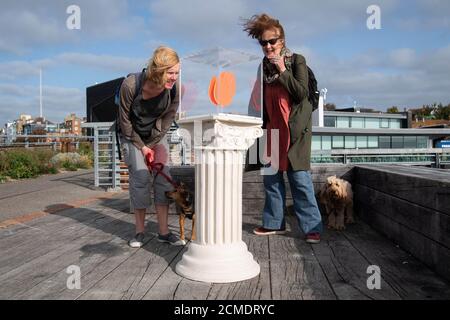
55	142
429	157
106	156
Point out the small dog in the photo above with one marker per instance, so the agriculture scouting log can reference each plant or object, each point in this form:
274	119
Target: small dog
337	197
185	207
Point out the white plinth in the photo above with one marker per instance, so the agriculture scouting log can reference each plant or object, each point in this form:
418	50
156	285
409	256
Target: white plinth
219	254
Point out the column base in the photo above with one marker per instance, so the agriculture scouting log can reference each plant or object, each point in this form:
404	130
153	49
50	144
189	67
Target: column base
218	263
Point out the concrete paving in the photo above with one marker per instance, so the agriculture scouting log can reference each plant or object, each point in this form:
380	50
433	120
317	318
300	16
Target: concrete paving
22	197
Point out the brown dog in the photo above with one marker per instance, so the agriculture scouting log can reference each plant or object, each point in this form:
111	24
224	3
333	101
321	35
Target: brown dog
337	197
185	207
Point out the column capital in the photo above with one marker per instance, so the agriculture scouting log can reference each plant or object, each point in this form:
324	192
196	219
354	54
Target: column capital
234	135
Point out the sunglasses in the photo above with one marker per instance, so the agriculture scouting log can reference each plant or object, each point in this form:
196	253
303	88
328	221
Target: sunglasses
264	43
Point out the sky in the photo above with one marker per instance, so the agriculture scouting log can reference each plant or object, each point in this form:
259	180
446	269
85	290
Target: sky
405	62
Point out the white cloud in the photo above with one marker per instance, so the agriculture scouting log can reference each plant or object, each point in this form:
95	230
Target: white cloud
403	58
401	77
199	23
17	70
12	70
104	62
26	24
58	102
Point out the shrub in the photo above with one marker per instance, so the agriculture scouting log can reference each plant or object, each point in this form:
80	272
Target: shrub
43	157
71	161
86	149
21	164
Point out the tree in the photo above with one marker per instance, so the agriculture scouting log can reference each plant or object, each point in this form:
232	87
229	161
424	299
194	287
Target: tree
442	113
393	109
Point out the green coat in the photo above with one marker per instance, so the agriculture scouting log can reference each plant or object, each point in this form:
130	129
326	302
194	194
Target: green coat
295	81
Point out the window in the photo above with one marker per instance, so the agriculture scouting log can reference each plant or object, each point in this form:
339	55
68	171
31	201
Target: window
396	123
410	142
329	122
358	123
384	142
361	142
384	123
372	142
343	122
338	142
397	142
315	145
350	142
326	142
422	142
372	123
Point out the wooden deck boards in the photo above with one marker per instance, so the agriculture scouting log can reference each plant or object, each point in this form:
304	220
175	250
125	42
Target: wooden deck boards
35	257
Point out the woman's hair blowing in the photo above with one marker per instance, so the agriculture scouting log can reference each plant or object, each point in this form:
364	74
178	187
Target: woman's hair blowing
257	24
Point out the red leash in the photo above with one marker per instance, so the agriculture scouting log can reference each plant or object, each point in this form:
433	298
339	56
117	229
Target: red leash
158	167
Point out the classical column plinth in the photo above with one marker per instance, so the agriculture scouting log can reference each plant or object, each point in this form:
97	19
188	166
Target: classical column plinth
219	254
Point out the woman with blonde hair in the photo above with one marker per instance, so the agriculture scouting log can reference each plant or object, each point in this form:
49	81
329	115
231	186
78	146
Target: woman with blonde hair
148	105
288	110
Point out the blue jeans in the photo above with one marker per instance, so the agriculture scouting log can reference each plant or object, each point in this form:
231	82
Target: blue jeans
305	204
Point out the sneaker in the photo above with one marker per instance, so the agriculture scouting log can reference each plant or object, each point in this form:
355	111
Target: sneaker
171	239
313	237
137	241
261	231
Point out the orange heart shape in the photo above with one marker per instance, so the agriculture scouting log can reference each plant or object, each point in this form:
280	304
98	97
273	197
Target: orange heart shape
222	89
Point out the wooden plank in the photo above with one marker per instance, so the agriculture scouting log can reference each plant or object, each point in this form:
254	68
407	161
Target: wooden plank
88	256
416	186
407	275
135	275
19	235
171	286
28	275
346	269
103	268
441	175
426	250
47	241
257	288
295	272
427	222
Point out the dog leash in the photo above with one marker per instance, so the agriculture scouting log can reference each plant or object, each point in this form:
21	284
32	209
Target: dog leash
158	167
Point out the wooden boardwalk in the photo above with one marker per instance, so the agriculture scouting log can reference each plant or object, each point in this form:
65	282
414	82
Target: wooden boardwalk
35	257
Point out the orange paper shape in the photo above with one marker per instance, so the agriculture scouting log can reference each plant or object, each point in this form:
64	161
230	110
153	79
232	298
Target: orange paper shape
212	86
222	89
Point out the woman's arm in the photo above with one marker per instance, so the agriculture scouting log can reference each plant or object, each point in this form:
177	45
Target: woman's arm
126	100
297	85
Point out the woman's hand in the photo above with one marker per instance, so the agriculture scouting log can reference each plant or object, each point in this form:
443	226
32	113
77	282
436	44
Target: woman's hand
278	61
149	154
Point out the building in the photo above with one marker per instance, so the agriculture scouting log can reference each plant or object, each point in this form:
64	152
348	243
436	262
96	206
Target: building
73	124
11	132
352	129
38	126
